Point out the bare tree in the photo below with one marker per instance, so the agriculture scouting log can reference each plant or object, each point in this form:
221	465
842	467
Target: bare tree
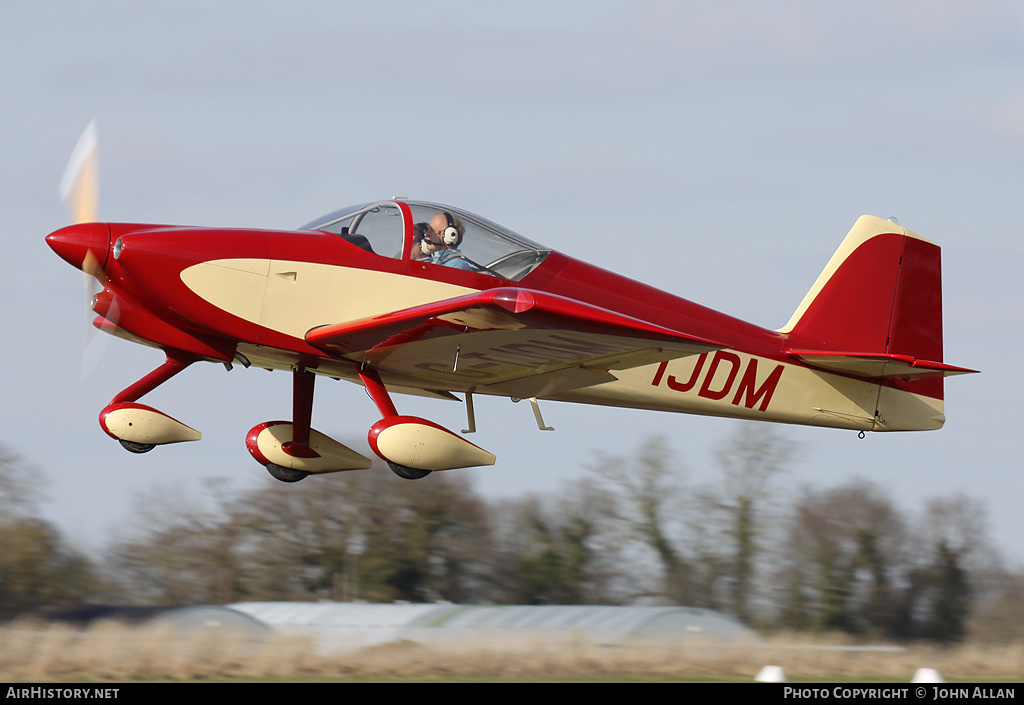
998	615
367	535
37	566
649	491
20	486
844	555
177	552
960	564
751	461
556	550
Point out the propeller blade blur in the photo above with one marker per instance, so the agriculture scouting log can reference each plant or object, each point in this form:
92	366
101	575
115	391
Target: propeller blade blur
80	192
80	185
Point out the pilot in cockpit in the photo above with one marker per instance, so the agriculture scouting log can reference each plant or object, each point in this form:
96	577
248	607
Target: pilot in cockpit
440	241
418	253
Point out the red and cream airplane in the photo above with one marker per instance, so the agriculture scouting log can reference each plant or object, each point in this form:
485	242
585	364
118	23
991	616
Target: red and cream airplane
405	296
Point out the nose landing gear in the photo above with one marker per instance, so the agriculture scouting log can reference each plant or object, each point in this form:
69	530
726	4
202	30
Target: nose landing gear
140	428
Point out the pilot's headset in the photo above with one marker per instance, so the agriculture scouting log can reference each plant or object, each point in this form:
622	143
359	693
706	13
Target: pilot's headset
452	235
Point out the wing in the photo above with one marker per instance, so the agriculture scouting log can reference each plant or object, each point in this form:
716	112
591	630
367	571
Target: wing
514	341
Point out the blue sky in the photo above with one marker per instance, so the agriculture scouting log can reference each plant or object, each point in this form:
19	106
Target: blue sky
717	150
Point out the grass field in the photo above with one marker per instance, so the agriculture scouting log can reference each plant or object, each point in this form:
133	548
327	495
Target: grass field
111	652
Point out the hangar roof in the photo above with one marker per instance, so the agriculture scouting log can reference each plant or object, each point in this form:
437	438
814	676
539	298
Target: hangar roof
366	624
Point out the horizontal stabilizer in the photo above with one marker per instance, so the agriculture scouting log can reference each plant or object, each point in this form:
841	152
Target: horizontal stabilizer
876	365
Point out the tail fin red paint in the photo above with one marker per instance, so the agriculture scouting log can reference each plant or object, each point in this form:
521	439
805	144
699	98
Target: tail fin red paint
875	312
881	292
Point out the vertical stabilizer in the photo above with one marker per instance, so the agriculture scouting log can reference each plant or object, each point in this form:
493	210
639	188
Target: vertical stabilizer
880	293
875	313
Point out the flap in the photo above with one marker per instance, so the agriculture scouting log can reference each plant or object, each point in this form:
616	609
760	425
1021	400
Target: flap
504	337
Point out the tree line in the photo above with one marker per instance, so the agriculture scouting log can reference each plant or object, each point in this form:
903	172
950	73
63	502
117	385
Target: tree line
634	531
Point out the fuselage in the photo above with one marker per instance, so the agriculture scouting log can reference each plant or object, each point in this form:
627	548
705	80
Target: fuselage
252	295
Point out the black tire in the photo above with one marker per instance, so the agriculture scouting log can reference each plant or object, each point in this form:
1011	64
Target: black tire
408	473
284	474
133	447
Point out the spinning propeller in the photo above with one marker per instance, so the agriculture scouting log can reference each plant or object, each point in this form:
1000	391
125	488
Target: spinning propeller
80	190
80	185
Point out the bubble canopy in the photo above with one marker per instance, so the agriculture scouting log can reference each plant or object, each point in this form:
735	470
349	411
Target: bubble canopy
386	228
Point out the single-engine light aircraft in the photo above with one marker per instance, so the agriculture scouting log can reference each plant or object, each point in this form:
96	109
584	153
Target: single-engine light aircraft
413	297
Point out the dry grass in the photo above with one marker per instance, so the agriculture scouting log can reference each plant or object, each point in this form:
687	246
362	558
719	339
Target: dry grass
110	652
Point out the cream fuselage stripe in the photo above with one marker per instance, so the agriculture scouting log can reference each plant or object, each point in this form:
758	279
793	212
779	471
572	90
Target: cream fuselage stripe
293	297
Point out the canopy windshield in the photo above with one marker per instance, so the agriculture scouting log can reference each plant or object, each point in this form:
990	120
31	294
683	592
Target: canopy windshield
475	243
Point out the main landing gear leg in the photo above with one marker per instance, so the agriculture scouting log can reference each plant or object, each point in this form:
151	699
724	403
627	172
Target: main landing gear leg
414	447
303	382
140	428
291	451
